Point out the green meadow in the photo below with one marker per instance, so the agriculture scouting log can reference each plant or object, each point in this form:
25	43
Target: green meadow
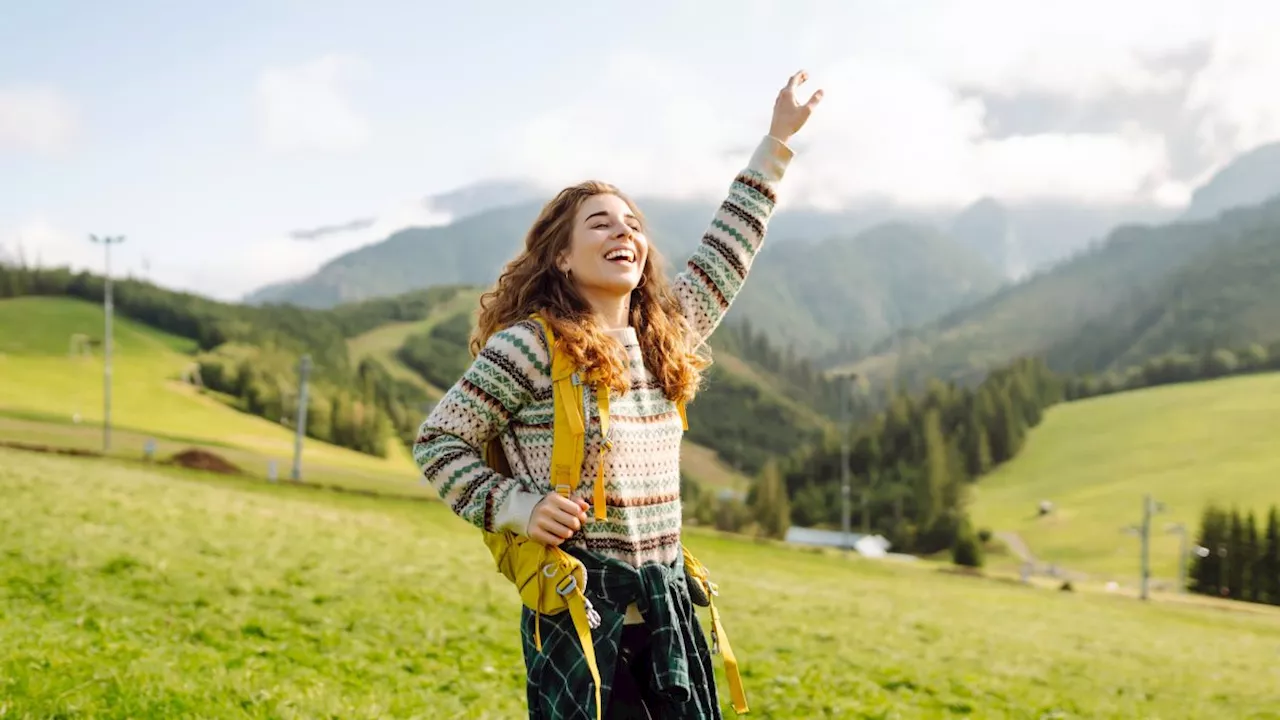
62	391
128	591
1186	445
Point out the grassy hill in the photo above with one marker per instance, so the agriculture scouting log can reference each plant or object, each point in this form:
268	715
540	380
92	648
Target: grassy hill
249	355
1147	290
1223	298
1186	445
382	342
850	290
44	381
147	593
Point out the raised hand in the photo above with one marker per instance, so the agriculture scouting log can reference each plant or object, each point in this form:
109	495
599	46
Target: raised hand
789	115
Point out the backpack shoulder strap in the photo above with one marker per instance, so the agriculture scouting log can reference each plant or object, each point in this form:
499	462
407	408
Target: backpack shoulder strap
568	448
569	423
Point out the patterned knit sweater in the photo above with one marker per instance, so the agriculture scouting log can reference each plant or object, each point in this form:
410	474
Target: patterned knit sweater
507	391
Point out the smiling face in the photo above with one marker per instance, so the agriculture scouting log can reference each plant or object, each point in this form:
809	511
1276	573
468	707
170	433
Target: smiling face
607	248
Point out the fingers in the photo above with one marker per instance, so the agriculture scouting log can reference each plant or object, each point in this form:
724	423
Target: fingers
556	518
813	101
797	80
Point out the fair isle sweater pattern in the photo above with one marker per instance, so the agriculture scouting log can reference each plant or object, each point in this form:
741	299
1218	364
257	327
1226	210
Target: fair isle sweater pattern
507	391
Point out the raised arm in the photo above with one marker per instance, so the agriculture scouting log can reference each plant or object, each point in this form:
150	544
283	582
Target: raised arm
718	268
500	381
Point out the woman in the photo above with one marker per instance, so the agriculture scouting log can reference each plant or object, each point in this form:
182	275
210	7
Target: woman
589	271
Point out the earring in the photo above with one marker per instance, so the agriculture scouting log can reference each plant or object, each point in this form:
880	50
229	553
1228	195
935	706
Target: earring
643	279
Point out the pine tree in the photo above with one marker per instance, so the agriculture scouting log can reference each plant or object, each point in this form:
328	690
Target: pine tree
966	549
1207	575
1269	565
1250	554
1004	429
772	508
936	477
978	445
1235	554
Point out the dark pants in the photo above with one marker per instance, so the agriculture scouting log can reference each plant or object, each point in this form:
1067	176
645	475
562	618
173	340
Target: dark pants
632	697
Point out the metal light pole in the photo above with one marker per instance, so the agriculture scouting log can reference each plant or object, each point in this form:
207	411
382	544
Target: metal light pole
1149	507
304	367
107	242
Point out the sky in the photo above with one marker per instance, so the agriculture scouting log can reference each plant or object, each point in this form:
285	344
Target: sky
207	133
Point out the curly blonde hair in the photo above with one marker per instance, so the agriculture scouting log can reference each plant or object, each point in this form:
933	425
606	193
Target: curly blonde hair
531	283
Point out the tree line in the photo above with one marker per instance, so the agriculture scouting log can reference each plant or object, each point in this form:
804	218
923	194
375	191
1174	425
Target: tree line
913	463
1237	558
250	353
1175	368
799	377
442	354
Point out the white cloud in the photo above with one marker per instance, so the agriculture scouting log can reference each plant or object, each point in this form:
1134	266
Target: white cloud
281	258
1236	95
305	107
1090	167
39	119
900	119
1085	49
885	128
651	132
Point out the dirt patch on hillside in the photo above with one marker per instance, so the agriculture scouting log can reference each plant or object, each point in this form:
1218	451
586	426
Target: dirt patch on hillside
196	459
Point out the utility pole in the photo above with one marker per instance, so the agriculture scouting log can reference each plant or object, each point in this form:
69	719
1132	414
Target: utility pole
107	242
1149	507
304	368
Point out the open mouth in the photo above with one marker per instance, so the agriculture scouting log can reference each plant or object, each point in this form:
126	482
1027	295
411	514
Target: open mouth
621	256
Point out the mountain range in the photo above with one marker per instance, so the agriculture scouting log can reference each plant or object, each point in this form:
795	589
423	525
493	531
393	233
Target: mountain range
1188	287
830	284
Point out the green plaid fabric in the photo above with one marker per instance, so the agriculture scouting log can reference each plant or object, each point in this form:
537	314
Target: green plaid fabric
559	684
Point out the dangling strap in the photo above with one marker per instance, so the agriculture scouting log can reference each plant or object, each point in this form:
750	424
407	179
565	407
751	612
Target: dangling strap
721	640
602	400
578	610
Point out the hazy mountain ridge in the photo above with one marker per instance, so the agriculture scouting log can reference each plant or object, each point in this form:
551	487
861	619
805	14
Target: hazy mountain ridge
1105	306
812	285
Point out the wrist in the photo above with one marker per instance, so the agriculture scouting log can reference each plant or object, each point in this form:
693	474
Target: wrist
516	514
771	158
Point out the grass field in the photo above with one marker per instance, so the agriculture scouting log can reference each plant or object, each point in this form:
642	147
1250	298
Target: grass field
127	592
42	379
1186	444
45	387
130	445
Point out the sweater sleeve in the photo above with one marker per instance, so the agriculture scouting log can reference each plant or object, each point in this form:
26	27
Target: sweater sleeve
498	383
718	268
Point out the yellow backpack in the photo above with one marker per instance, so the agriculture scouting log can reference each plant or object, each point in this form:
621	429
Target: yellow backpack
552	581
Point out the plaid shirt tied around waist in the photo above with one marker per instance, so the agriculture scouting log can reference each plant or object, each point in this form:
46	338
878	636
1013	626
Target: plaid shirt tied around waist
559	684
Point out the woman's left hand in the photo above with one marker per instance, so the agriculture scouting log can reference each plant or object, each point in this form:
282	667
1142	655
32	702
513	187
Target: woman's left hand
789	115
